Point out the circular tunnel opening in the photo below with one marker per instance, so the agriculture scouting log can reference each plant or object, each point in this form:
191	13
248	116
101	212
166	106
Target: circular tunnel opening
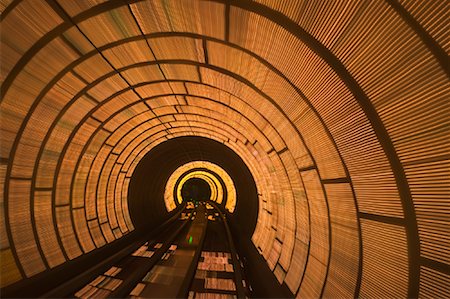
195	189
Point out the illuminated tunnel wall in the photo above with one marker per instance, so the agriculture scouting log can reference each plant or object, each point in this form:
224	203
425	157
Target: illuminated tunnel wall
339	110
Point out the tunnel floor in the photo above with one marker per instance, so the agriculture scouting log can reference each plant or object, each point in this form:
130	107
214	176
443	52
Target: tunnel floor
191	258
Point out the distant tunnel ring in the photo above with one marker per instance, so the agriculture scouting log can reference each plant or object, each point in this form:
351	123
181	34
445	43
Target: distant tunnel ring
223	190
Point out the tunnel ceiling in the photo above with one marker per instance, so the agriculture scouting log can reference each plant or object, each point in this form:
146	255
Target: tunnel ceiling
339	109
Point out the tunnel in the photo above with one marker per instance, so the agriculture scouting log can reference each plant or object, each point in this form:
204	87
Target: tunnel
302	144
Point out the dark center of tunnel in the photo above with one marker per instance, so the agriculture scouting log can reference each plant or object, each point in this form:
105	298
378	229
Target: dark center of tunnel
147	184
195	189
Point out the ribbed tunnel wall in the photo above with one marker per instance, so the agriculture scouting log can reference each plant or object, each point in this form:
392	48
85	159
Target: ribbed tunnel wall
340	110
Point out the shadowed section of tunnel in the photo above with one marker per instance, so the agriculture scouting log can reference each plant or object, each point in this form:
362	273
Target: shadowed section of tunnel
146	191
195	189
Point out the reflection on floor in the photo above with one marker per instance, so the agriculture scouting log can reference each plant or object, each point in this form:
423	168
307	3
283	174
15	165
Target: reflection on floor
101	286
214	277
